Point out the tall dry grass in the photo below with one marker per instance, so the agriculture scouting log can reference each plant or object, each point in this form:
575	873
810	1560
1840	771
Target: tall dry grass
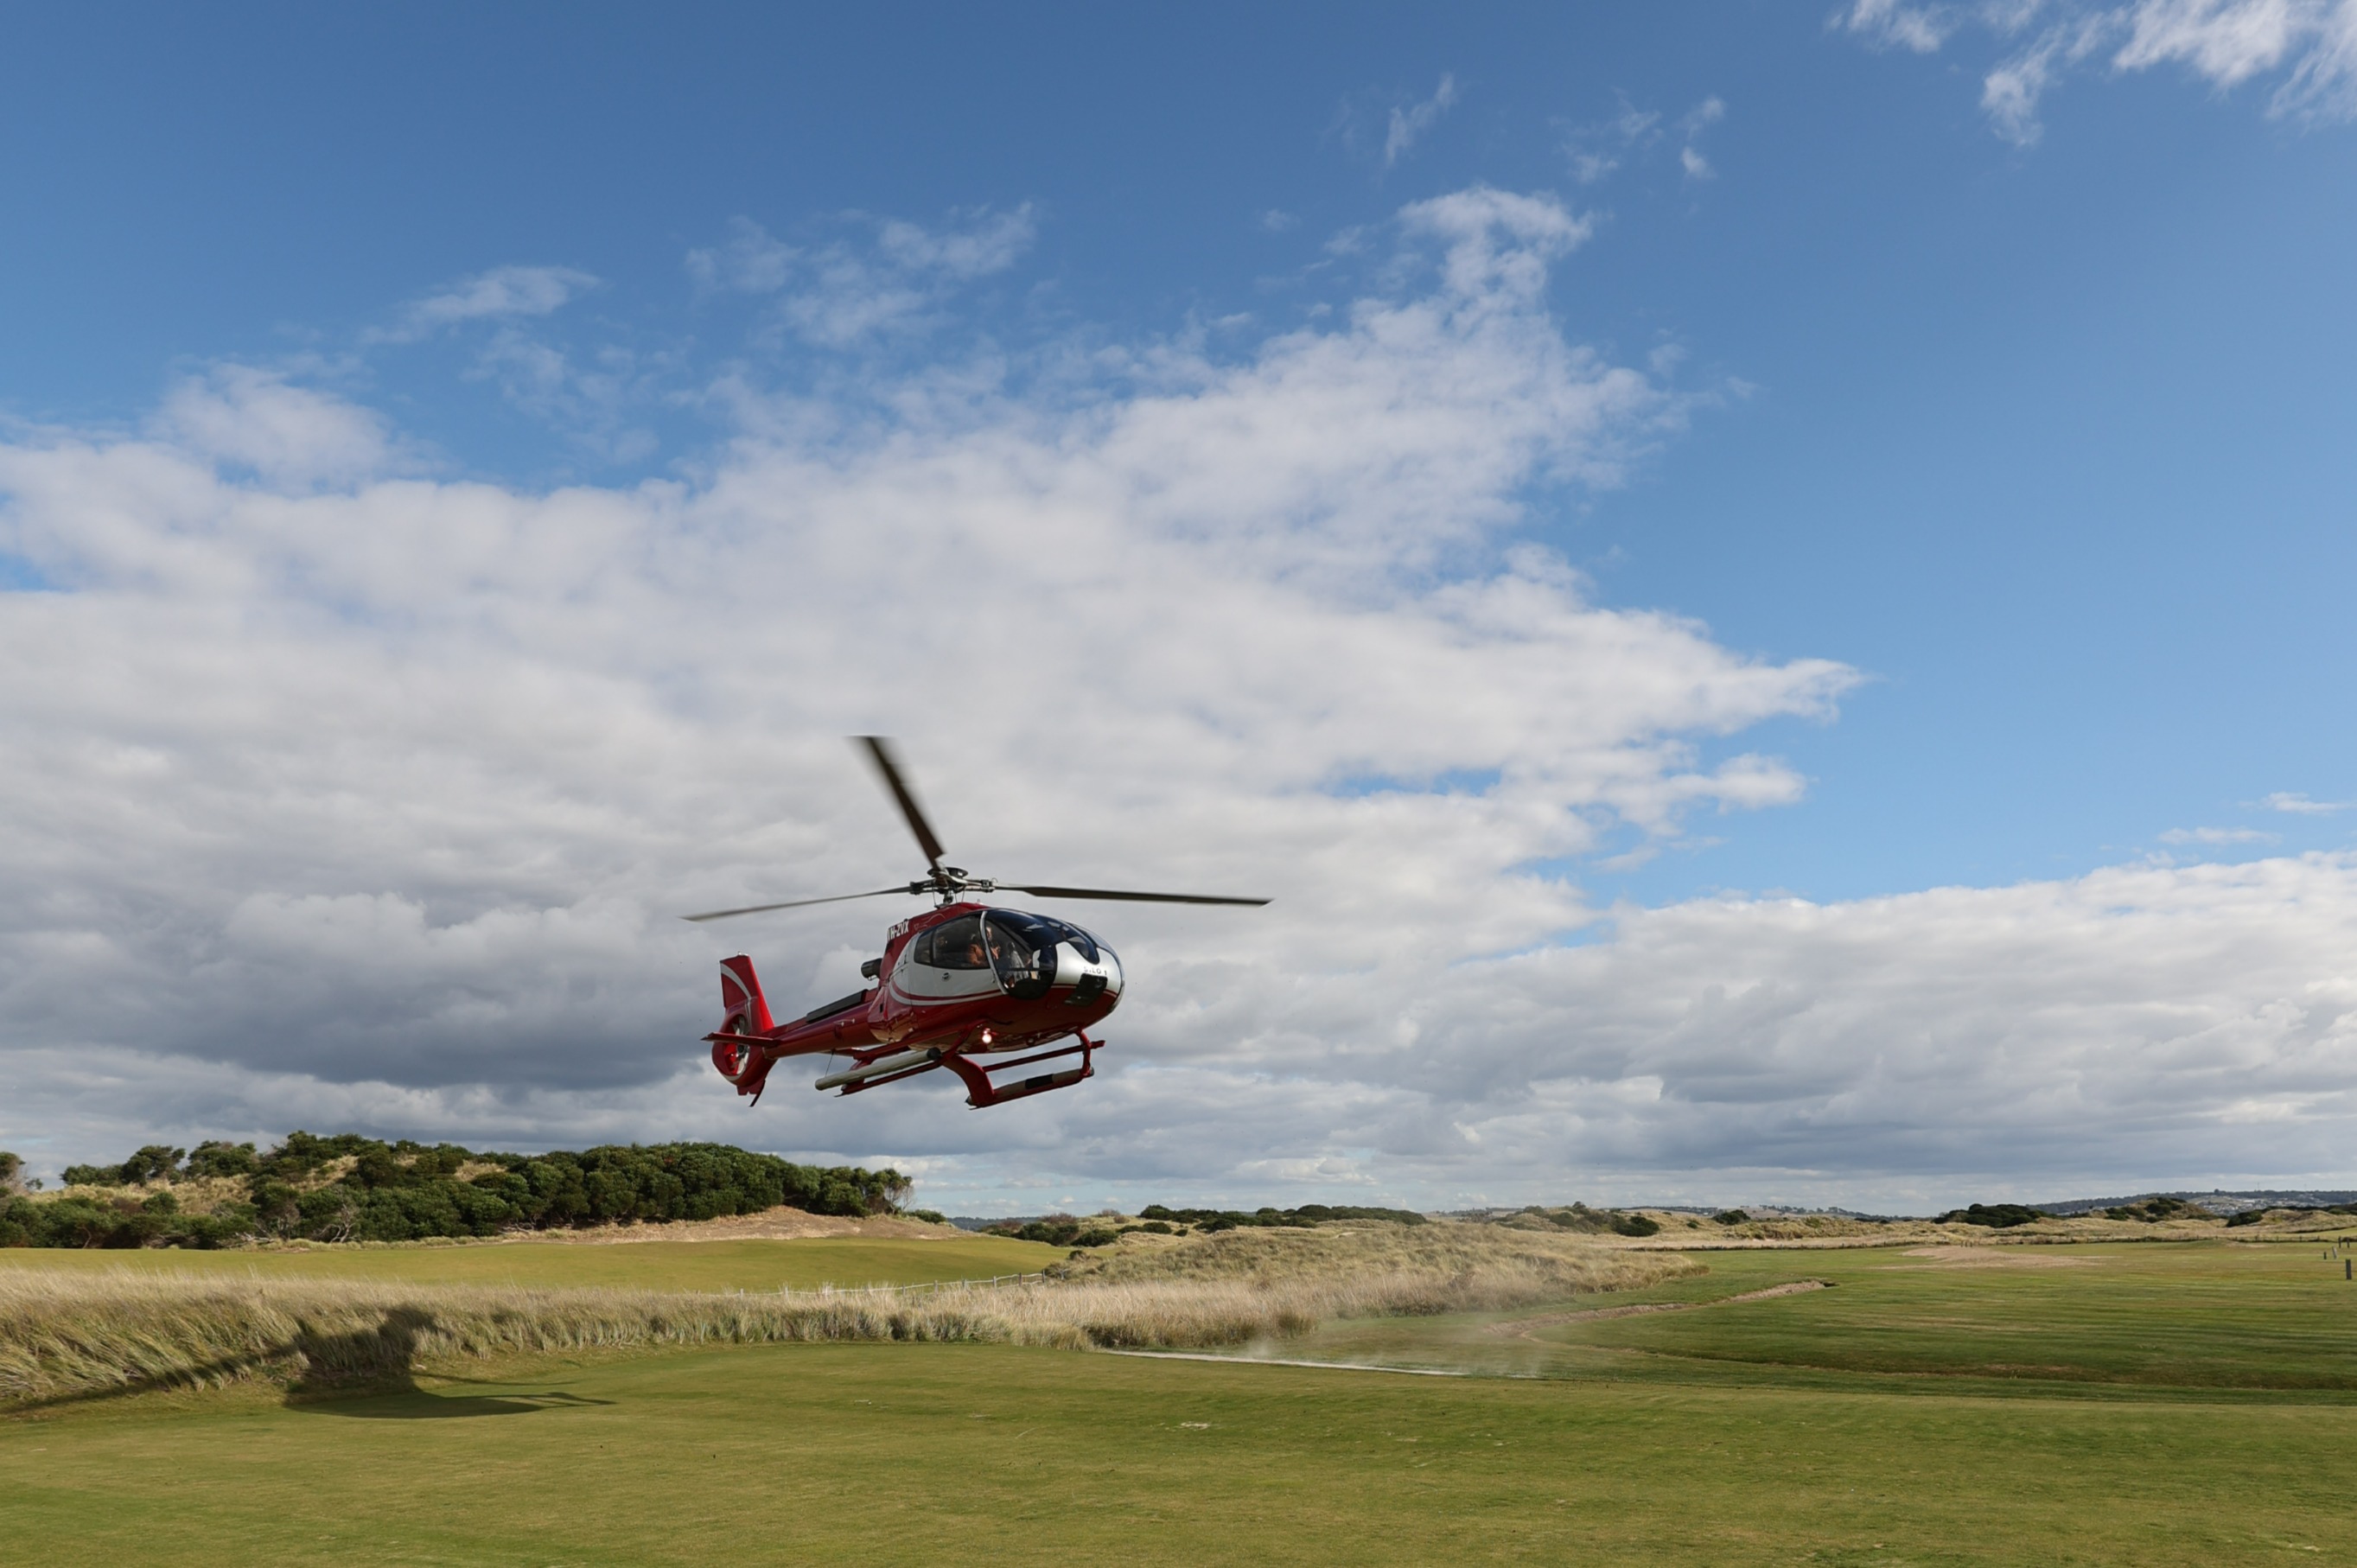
73	1336
1438	1267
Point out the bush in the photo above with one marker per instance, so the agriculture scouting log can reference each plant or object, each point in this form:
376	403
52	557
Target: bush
406	1191
2152	1210
219	1159
1731	1217
1996	1216
156	1162
1635	1225
1308	1214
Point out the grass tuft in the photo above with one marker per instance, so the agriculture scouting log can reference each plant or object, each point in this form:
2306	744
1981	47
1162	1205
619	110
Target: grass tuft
76	1335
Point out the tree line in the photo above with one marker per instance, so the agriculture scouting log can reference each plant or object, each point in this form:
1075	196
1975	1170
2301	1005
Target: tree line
347	1187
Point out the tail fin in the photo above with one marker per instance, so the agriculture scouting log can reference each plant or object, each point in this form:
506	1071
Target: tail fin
744	1010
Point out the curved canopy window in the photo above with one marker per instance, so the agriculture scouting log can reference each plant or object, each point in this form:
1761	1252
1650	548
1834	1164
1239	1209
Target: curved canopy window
955	945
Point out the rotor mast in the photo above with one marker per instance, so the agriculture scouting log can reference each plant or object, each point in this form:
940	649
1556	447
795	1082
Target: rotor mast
945	883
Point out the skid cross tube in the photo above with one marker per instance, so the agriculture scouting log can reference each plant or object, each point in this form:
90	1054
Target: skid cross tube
982	1091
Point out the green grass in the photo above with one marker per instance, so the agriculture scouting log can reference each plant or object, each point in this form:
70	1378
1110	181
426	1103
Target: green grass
754	1265
2090	1318
2157	1404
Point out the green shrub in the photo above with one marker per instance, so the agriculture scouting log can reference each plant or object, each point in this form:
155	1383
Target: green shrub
407	1191
1996	1216
1308	1214
156	1162
221	1159
1731	1217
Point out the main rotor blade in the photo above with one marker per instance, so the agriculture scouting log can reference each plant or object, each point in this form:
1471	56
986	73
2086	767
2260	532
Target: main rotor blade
792	904
879	752
1124	898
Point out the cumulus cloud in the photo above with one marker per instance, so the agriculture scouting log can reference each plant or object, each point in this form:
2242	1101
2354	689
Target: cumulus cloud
256	418
2309	46
374	804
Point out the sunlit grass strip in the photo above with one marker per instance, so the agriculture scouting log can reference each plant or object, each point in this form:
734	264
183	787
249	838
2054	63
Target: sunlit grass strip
67	1335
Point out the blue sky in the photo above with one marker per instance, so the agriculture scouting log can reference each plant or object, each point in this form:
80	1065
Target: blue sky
2034	418
2050	442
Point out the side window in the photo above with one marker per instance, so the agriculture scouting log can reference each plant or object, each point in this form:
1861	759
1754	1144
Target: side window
920	951
957	945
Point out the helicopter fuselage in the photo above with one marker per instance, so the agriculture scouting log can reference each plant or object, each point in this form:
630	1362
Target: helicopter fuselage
964	987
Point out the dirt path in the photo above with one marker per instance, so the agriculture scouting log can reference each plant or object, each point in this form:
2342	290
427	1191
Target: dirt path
1522	1326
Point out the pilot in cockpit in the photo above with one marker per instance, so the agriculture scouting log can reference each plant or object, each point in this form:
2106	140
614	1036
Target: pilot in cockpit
1007	952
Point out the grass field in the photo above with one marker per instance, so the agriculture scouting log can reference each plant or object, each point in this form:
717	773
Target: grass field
754	1265
2133	1405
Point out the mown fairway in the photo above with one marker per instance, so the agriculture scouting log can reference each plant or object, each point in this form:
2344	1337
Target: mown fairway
751	1266
2156	1404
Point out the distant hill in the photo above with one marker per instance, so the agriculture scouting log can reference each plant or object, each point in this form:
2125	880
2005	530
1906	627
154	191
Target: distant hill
2217	1201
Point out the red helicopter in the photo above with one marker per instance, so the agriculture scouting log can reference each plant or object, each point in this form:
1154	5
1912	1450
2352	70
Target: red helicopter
958	987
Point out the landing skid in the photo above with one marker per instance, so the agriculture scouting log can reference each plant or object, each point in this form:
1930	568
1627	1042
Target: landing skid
981	1091
979	1088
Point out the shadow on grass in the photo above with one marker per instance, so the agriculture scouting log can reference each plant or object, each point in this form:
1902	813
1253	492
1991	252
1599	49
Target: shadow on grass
417	1404
371	1373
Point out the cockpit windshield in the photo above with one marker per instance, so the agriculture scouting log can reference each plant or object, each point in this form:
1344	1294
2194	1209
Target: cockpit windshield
1023	950
1042	932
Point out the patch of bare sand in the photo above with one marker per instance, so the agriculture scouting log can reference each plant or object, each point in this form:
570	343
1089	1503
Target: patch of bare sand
1997	1258
1522	1326
771	1225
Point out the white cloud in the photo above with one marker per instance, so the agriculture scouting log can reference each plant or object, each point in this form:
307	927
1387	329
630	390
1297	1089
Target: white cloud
501	294
2302	805
288	434
1894	24
374	806
401	786
592	399
2216	836
750	261
1597	151
1409	124
894	281
2312	43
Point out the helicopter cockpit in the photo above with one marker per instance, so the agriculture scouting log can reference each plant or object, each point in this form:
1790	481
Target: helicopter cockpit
1022	949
